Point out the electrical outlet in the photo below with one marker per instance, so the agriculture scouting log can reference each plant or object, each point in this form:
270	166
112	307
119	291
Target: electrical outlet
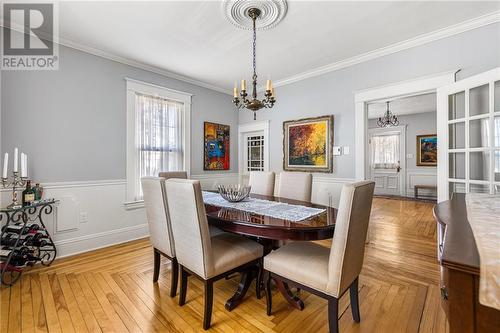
336	151
409	155
84	217
345	150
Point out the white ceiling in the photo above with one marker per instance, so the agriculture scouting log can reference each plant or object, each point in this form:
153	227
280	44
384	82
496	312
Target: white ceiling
404	106
194	39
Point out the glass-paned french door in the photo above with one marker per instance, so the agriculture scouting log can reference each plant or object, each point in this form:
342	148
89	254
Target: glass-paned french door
469	136
254	155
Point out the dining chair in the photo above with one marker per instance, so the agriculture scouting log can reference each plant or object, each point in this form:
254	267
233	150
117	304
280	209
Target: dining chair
160	232
328	273
295	186
173	174
209	258
262	182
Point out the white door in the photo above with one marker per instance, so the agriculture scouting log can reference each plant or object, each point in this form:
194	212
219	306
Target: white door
253	154
387	160
469	135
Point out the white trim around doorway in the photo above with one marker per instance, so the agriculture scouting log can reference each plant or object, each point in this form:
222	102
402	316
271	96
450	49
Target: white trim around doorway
248	128
418	86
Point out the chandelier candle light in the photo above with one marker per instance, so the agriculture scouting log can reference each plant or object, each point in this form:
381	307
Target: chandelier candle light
389	119
254	104
18	180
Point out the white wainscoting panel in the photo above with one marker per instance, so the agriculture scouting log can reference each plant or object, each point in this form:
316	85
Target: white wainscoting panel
427	176
108	222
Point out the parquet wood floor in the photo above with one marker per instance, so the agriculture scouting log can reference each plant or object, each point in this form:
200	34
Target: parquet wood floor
111	290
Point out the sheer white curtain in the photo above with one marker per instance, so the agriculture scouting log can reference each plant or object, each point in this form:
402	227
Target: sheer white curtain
158	139
385	151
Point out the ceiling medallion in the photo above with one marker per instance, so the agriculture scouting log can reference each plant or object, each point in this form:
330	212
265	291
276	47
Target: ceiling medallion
271	13
254	104
389	119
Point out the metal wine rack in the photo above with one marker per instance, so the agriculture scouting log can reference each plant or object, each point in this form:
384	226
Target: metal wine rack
23	216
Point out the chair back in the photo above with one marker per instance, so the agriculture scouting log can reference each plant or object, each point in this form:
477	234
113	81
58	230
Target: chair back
193	246
173	174
351	226
160	231
295	186
262	182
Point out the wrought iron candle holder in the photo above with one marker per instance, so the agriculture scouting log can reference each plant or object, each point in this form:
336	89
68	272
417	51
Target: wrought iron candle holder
16	183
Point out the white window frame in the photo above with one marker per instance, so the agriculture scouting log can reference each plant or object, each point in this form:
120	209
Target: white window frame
136	86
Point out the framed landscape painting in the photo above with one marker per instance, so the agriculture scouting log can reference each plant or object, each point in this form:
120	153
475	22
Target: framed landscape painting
427	150
216	146
308	144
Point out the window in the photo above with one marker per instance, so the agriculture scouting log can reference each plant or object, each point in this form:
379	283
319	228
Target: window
255	153
157	128
385	151
158	138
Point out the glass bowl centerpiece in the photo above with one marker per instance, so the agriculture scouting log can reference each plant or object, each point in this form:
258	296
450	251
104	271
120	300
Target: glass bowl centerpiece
234	193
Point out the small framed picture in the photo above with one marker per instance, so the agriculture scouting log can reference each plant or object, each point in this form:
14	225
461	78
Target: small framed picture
427	150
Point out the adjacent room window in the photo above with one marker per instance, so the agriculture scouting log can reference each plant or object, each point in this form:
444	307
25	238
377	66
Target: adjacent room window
385	151
157	126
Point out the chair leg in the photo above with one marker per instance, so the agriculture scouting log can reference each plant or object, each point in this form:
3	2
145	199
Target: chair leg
182	292
209	296
333	311
258	281
156	270
269	297
353	292
174	277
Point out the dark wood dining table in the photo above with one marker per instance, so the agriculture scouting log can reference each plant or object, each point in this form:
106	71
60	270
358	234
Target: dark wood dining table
269	231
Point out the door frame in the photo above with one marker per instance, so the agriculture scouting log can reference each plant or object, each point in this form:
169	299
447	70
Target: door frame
418	86
402	153
255	126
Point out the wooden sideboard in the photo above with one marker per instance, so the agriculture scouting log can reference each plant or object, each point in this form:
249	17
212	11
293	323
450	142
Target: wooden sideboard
459	259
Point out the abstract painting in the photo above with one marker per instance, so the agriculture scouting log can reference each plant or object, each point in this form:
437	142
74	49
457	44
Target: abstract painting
308	144
427	150
216	143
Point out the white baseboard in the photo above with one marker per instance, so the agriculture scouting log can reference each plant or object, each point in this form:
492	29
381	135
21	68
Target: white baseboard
72	246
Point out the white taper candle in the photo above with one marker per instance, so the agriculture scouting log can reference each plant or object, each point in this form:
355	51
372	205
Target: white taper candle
5	165
16	159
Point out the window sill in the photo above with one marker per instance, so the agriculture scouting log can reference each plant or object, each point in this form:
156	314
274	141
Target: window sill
131	205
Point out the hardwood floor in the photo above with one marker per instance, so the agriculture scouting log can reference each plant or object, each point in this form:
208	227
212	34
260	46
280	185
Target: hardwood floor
111	290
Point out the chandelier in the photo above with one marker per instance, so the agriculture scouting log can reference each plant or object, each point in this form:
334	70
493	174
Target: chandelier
254	104
389	119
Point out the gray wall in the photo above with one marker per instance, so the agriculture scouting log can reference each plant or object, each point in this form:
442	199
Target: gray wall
416	124
474	51
72	122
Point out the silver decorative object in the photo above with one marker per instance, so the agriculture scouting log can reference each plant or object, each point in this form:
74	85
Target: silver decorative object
17	182
234	193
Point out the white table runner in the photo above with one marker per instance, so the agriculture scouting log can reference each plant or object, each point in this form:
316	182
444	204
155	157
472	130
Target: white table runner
274	209
483	213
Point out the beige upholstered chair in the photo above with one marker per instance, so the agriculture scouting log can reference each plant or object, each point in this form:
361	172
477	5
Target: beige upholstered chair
295	186
262	182
210	258
328	273
160	232
173	174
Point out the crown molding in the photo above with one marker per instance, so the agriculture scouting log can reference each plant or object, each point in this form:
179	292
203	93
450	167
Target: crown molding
140	65
126	61
452	30
404	45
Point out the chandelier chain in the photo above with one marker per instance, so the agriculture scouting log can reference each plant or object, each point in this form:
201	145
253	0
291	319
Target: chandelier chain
254	50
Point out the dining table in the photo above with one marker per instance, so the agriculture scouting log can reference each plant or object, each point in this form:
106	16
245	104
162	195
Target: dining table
271	232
